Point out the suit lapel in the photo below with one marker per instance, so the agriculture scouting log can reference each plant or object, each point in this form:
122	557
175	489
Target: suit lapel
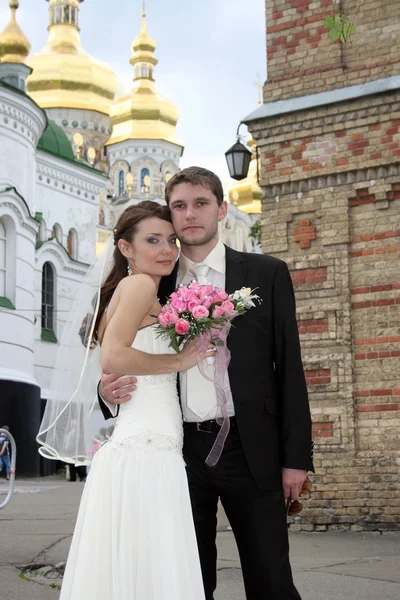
235	277
235	270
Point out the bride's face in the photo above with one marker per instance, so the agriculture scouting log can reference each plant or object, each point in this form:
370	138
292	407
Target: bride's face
153	250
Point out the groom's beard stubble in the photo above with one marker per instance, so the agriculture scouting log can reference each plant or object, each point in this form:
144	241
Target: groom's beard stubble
203	241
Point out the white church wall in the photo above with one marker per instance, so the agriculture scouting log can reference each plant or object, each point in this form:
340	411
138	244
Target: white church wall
22	123
68	278
68	195
17	324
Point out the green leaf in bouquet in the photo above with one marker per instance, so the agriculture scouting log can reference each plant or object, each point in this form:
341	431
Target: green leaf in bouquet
174	344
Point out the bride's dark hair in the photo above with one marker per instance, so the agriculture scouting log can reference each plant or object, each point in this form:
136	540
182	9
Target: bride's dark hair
125	230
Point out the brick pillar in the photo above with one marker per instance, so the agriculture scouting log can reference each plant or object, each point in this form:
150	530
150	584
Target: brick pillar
330	176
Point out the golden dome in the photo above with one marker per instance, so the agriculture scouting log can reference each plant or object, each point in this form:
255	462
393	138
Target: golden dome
14	46
64	75
246	194
143	114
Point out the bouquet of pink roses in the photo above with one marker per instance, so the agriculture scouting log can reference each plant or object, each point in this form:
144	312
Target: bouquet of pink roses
204	313
197	309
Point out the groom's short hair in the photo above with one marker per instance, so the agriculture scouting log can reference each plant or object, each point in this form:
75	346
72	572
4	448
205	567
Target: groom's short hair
196	176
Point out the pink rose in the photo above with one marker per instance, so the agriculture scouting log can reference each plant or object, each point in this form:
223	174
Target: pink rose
171	317
206	290
179	305
192	303
207	301
229	309
194	286
200	312
218	312
228	306
183	292
191	295
182	326
162	321
221	295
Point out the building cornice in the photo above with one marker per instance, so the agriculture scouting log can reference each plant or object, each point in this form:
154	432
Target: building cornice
21	114
311	101
332	180
56	173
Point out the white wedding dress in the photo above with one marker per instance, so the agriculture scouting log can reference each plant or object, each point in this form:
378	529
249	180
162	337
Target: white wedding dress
134	538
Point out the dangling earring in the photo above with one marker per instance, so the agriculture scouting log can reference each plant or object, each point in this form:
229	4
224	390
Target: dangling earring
129	269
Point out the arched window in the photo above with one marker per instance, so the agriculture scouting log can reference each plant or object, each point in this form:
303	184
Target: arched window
144	71
144	181
121	183
72	244
48	296
3	259
57	232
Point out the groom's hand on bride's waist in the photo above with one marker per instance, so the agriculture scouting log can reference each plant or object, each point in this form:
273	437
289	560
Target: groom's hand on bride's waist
115	389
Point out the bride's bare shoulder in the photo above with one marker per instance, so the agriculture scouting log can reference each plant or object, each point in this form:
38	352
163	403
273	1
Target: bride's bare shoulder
140	282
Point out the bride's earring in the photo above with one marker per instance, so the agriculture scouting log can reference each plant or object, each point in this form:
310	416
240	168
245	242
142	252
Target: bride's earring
129	269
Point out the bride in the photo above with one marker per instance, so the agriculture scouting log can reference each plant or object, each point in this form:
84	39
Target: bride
134	538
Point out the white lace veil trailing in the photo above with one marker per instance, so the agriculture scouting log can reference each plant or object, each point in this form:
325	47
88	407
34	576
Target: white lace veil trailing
65	432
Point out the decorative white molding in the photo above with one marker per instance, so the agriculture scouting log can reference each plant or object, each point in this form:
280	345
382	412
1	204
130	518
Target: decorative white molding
20	114
24	218
56	172
53	249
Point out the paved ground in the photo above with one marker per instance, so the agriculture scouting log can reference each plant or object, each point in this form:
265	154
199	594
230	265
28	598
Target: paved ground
37	525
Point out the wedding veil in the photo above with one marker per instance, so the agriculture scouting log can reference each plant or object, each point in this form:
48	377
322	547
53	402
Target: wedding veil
65	432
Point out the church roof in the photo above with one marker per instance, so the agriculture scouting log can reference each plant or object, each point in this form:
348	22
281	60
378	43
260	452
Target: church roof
64	75
55	141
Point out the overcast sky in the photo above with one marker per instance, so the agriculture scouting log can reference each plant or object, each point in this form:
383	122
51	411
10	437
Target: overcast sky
209	52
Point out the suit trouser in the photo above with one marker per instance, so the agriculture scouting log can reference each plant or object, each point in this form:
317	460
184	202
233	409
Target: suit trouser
80	471
257	518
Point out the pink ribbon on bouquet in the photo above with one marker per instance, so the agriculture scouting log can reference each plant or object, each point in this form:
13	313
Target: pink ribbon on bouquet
222	359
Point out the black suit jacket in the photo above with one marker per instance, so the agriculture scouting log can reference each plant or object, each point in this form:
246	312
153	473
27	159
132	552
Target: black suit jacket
266	372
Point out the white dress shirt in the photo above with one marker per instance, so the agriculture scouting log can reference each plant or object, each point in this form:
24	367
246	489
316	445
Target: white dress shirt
192	381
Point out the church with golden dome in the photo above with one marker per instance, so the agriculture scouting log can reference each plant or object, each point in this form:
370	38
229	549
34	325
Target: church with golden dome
75	151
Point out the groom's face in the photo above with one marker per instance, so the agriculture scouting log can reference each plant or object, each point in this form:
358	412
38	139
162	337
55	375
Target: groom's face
195	214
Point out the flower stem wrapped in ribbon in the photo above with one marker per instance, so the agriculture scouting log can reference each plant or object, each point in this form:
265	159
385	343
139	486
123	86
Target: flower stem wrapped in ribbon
205	313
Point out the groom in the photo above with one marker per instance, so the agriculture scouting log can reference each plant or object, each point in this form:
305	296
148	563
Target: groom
268	450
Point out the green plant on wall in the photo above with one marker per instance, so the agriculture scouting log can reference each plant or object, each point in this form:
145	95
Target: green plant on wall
255	232
340	23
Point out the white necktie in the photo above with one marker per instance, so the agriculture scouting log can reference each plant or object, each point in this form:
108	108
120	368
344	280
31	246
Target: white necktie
200	273
198	400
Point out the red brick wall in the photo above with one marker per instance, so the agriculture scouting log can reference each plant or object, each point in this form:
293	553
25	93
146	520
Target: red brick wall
331	209
302	59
